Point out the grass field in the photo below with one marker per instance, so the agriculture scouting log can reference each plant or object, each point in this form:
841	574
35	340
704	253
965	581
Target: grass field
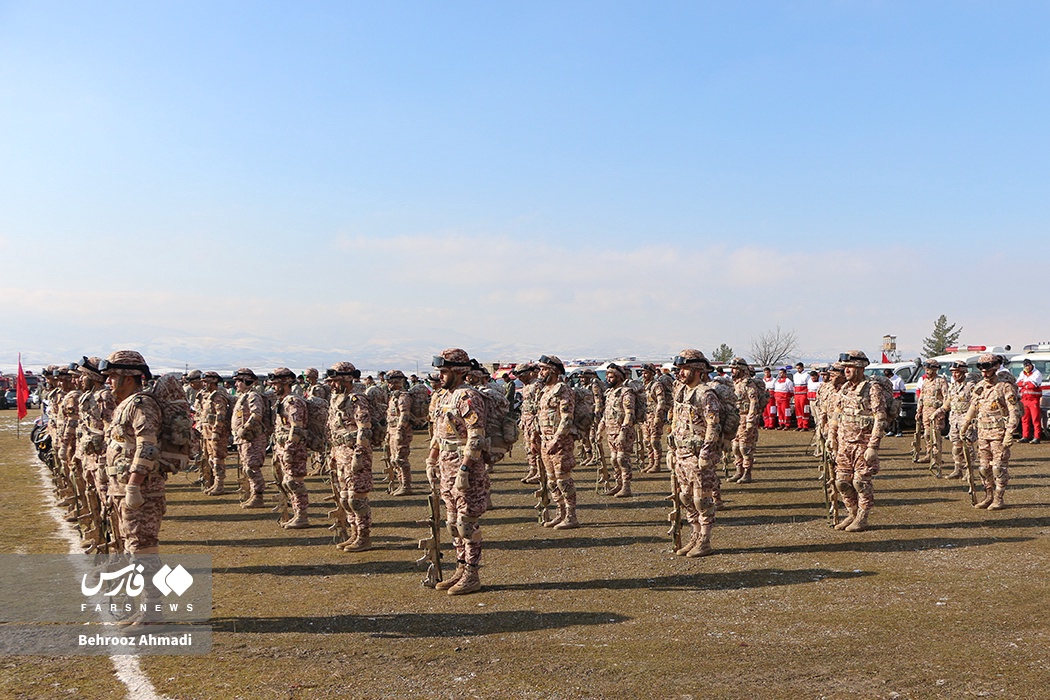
936	600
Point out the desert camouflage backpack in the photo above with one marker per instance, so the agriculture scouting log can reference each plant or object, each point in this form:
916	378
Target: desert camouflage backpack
500	427
173	438
583	412
420	411
728	410
316	423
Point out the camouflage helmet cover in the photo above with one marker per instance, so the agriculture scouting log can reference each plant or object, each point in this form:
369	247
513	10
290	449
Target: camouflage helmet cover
127	363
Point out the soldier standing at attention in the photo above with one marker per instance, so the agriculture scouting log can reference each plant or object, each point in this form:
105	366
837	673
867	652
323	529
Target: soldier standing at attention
996	410
250	426
862	422
399	431
456	462
657	404
595	434
350	437
747	388
96	412
289	451
530	391
315	388
136	484
620	427
555	410
215	430
697	432
929	414
960	390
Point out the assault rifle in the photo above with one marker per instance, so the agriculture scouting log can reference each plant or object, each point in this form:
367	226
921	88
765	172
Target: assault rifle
388	468
340	523
283	497
601	477
972	486
831	491
932	433
675	516
916	442
543	497
431	546
727	460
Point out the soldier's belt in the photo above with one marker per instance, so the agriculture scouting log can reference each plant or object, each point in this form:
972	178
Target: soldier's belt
345	439
862	421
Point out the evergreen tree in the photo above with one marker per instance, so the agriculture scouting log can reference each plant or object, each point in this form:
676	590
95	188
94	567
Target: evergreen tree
724	353
943	336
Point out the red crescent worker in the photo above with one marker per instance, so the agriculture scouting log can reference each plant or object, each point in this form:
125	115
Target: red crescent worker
1030	383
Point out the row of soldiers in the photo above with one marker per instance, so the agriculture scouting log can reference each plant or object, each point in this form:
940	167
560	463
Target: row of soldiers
707	417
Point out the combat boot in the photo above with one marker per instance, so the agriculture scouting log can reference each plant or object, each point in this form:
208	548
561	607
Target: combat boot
957	473
445	584
997	500
363	543
859	523
569	522
218	487
684	549
625	490
347	542
851	515
557	518
299	522
987	498
703	547
469	582
403	490
746	478
254	501
738	474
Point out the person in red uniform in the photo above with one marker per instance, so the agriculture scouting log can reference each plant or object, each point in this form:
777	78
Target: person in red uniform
1030	384
769	412
783	391
801	381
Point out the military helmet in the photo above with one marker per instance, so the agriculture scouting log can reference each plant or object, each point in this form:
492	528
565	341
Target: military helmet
342	370
613	367
959	366
396	374
552	361
311	372
933	363
193	375
649	367
126	363
88	367
211	377
989	360
245	374
281	375
691	356
525	368
455	359
854	358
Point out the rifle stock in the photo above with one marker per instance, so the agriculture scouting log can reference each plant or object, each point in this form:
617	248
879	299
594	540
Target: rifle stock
675	516
283	498
431	546
543	497
969	472
340	523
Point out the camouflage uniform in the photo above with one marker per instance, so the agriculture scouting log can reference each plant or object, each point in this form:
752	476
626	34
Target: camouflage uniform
657	403
399	434
929	414
455	459
350	436
862	423
958	405
747	388
290	452
379	399
995	408
249	424
697	432
527	424
595	436
554	415
620	429
214	423
96	412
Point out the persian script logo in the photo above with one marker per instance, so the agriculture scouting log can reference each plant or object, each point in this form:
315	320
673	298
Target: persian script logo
130	579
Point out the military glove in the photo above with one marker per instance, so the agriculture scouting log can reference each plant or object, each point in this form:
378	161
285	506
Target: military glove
870	454
133	496
462	478
355	465
1008	440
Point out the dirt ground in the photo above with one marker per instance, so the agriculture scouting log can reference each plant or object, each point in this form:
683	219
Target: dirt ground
936	600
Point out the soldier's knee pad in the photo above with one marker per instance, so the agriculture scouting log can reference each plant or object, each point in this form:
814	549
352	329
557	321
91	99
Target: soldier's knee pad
997	472
469	528
566	487
288	482
453	528
844	486
860	485
359	505
986	472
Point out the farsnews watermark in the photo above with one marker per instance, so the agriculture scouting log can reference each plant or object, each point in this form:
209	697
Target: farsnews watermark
137	604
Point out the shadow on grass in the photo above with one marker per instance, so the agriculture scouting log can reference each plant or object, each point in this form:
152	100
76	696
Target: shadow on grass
340	569
914	545
415	625
717	581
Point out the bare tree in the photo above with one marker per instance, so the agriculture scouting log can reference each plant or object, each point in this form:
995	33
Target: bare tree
773	347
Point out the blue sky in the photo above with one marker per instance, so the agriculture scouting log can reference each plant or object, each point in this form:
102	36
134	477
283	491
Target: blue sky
573	176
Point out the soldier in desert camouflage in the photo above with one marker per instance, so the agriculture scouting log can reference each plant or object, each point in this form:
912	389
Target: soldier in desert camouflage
620	427
96	411
455	464
350	436
960	390
747	388
530	390
554	415
290	451
929	414
214	421
252	425
995	410
657	404
399	431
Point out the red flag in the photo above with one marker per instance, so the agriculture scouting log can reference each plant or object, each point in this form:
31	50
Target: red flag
22	390
885	360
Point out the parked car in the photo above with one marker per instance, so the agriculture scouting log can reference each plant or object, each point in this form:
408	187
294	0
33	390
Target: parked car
9	399
910	373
